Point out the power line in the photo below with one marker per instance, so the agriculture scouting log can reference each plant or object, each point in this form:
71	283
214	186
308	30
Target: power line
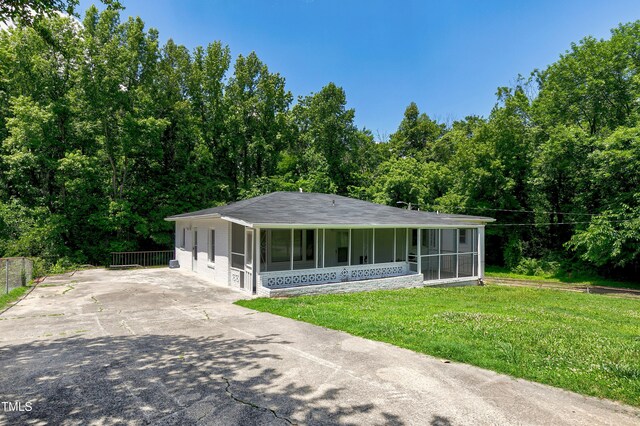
555	223
521	211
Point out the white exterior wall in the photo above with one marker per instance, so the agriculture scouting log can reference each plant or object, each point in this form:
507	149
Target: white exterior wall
216	272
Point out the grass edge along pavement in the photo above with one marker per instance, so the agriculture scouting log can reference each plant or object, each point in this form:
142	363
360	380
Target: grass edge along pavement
586	343
7	300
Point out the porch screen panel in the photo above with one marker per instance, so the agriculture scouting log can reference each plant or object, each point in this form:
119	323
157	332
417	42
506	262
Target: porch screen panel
448	243
336	250
465	265
237	246
429	242
401	245
320	247
383	246
467	248
279	249
263	251
448	266
361	246
466	240
430	265
304	249
413	245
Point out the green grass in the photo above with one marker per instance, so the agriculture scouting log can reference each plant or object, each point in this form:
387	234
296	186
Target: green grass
582	342
12	296
559	278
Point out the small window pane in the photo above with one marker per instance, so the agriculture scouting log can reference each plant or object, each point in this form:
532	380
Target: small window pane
448	241
429	242
430	266
465	240
237	261
448	266
465	265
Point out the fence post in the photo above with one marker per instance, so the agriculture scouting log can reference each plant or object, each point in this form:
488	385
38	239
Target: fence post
6	273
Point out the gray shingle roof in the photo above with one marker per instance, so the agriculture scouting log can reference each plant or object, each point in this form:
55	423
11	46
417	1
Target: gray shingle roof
309	208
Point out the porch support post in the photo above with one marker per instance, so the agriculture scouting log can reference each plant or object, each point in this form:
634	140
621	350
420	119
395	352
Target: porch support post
316	236
324	247
457	250
419	251
256	257
481	252
373	247
349	259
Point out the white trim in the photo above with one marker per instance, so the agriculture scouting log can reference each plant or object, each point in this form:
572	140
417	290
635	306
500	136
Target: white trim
373	247
301	277
349	249
324	248
240	222
199	217
356	226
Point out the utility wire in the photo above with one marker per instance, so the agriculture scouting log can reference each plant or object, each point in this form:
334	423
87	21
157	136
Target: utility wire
521	211
554	223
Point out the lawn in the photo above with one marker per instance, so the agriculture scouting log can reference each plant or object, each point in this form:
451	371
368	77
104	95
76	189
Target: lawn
12	296
560	278
582	342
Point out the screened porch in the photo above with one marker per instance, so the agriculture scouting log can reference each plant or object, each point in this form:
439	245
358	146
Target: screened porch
291	257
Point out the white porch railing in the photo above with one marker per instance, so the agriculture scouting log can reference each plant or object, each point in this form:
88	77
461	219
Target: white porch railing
301	277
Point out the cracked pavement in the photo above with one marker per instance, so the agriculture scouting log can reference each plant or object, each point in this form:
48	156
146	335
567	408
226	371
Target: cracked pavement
165	347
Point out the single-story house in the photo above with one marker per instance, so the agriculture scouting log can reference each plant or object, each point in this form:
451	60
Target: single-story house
286	243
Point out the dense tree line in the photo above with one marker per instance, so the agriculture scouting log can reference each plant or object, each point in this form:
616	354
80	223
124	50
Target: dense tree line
105	131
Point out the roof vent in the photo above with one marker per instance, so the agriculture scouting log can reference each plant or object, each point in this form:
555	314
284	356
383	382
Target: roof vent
300	189
333	203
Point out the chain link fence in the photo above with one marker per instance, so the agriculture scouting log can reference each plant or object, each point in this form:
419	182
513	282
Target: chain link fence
14	272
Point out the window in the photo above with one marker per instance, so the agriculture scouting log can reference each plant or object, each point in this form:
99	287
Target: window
183	241
212	246
463	236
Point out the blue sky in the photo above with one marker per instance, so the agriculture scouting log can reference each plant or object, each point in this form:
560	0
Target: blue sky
447	56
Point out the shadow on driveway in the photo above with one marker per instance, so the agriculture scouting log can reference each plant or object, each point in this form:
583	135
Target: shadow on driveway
162	380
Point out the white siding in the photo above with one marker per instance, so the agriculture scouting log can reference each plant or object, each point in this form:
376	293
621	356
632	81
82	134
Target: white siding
217	272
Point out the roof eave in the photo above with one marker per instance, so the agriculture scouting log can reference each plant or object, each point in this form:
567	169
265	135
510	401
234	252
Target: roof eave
194	217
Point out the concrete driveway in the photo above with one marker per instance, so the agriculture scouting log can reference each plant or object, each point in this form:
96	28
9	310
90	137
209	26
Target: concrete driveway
165	347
